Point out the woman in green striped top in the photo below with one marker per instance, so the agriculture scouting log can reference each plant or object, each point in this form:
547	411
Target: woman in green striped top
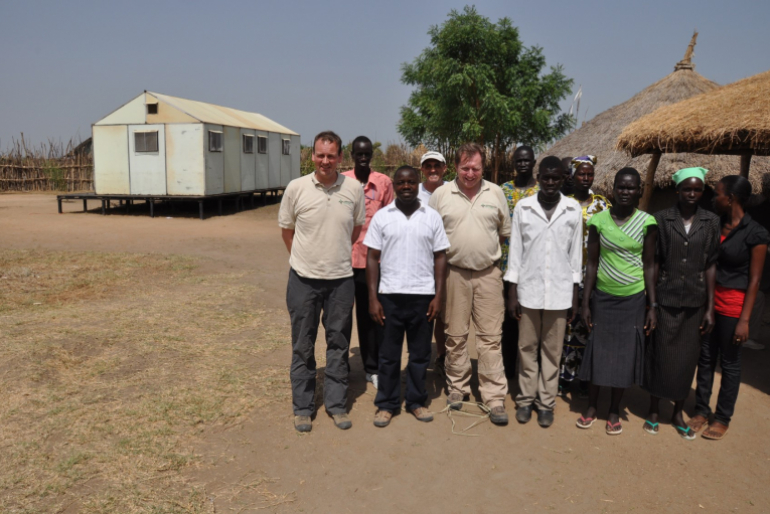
621	269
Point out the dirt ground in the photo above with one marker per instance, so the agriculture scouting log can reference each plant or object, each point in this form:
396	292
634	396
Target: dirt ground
260	462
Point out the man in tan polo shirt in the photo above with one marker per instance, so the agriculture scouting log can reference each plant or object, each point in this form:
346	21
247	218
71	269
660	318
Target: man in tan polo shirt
476	219
321	215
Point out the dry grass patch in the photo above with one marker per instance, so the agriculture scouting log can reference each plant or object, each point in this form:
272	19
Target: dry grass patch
111	365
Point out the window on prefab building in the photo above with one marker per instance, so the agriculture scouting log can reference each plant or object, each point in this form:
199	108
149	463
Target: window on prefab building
145	142
286	146
215	141
152	108
261	144
248	144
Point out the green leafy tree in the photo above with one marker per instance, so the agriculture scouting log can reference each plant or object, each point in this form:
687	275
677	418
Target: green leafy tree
478	82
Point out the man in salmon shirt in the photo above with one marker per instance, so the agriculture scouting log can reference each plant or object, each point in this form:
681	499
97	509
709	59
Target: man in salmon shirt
378	192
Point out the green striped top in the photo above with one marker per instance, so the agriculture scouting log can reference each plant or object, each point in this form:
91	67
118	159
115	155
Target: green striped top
620	270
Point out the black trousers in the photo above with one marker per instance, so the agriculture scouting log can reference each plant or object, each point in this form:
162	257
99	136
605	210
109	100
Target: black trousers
509	341
404	313
369	332
718	346
305	299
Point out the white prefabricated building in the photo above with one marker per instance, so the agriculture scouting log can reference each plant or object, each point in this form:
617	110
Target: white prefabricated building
162	145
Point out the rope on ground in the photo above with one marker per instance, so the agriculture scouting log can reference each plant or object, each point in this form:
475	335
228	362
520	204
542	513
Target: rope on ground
450	412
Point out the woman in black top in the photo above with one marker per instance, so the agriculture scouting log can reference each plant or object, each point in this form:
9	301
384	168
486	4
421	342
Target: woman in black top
739	270
685	270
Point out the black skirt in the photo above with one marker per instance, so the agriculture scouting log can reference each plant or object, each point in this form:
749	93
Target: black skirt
672	353
614	354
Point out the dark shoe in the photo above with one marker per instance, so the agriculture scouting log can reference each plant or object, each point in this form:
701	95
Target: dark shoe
524	414
302	423
545	418
342	421
498	416
455	401
382	418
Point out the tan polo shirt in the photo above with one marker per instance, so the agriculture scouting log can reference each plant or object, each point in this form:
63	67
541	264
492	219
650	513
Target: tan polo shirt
473	227
323	221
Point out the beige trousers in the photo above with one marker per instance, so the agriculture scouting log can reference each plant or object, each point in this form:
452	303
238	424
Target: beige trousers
540	331
475	296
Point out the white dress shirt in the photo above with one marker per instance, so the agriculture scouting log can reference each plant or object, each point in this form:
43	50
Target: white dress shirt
545	257
407	246
424	195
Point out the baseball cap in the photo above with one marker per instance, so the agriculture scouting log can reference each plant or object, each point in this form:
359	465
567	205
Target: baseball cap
432	155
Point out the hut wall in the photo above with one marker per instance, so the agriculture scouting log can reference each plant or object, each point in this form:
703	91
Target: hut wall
263	163
111	160
248	162
274	159
285	161
295	158
147	169
185	167
232	151
215	163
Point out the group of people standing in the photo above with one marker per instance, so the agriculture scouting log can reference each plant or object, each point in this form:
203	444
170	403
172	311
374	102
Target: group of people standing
561	286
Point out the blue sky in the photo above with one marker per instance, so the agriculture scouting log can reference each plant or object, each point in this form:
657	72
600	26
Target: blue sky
335	64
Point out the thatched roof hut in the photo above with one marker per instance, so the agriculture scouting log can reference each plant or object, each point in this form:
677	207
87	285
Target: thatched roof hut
733	120
599	136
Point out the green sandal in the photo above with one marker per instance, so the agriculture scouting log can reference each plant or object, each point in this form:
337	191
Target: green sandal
688	434
652	429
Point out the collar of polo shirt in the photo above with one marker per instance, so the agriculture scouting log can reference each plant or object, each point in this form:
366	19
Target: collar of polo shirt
340	178
456	187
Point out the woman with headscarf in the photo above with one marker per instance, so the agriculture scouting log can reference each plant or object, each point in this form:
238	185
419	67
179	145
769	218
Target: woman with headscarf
742	249
685	267
582	170
621	265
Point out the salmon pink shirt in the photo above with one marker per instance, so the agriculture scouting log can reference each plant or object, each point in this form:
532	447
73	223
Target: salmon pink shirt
378	193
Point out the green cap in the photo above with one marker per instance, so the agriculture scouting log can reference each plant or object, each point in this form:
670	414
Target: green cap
686	173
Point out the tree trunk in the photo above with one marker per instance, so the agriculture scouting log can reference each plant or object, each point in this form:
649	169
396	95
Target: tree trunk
649	182
496	171
745	164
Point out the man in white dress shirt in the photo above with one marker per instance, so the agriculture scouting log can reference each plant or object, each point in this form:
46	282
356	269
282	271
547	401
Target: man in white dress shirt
544	269
407	250
433	168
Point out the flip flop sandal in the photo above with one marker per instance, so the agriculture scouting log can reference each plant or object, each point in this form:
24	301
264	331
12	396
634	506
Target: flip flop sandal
688	434
585	423
615	429
650	427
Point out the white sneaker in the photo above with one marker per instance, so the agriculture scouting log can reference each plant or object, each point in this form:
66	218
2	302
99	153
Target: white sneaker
372	377
753	345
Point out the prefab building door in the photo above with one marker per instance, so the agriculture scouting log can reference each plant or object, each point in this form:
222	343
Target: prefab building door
274	159
286	149
147	159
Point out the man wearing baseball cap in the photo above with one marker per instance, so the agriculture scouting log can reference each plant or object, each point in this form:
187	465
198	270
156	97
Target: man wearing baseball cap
433	167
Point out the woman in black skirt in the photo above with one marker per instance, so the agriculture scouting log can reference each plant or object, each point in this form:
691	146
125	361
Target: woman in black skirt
621	266
685	267
741	257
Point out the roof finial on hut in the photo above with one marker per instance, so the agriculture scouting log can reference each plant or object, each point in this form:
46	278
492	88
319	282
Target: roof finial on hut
686	62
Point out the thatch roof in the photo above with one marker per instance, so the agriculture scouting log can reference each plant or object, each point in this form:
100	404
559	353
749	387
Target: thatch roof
729	120
598	136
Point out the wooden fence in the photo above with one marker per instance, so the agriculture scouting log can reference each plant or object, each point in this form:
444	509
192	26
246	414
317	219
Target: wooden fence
43	174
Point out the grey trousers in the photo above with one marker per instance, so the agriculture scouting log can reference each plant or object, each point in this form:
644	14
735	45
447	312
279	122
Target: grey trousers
305	299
